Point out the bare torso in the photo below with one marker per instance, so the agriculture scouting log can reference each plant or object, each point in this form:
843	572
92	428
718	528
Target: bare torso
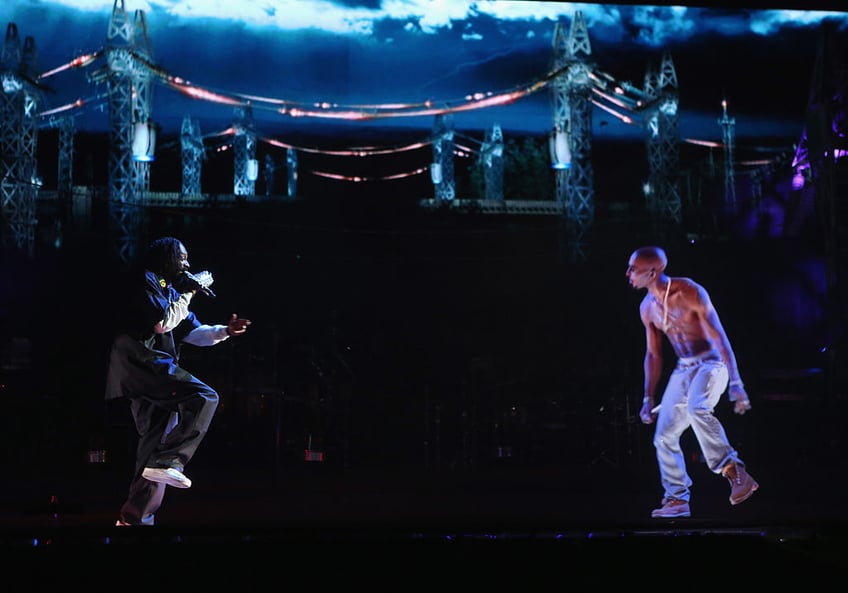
680	317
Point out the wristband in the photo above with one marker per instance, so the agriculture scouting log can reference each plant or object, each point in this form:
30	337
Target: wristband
737	383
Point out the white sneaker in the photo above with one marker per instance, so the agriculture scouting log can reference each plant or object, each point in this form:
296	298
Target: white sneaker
145	522
166	475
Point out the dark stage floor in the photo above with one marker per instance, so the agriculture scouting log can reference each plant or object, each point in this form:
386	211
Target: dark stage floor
493	524
571	506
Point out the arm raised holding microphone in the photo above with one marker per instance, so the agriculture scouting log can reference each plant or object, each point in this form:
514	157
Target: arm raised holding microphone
188	282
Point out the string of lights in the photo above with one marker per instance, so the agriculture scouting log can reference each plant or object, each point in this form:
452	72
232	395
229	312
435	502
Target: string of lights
610	102
329	110
361	151
78	62
358	178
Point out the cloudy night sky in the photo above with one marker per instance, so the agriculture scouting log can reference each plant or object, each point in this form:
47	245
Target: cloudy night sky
351	53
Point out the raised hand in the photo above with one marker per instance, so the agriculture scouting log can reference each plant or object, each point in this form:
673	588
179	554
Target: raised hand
237	326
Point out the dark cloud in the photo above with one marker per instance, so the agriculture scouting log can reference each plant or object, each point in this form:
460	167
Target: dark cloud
369	4
715	55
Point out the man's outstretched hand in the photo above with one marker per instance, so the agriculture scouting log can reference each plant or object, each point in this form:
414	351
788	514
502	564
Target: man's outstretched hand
237	326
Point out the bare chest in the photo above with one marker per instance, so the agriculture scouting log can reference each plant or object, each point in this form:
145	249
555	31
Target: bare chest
672	316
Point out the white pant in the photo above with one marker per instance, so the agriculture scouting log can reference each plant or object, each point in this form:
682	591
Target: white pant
692	392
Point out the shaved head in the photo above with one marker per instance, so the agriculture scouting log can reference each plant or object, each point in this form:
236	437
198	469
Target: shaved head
651	256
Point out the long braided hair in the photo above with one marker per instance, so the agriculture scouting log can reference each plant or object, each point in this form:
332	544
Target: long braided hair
163	257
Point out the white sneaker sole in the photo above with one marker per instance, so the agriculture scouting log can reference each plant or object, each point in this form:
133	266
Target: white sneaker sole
168	477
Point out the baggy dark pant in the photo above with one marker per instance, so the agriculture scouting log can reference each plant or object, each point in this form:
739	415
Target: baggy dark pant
170	428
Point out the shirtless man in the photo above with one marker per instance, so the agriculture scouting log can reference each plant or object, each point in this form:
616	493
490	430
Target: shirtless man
681	309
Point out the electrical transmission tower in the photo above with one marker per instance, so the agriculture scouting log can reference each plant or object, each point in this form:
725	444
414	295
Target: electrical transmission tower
291	168
65	178
442	172
246	168
193	154
270	170
18	140
572	90
493	165
663	141
727	128
130	93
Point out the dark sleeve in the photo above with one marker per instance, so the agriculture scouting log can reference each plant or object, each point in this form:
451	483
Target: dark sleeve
143	305
155	301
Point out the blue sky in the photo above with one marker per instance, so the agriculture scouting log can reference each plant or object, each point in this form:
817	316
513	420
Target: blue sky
348	52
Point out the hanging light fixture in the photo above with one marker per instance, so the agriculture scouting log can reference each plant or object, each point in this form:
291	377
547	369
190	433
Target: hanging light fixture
252	170
436	173
560	149
144	142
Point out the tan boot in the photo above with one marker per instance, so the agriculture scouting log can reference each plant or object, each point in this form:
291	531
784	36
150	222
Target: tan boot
671	508
742	485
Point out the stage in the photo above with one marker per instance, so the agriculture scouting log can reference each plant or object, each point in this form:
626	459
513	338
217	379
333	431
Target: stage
472	396
499	523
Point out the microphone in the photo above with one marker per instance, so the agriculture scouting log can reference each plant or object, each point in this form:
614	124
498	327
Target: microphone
202	281
207	291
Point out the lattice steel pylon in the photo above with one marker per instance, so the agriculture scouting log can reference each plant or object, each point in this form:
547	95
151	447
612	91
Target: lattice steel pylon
493	163
193	155
572	97
130	93
442	172
143	105
270	170
18	141
246	169
663	140
728	125
65	174
291	170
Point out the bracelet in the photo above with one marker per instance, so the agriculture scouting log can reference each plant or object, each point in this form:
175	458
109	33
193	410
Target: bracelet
736	382
646	399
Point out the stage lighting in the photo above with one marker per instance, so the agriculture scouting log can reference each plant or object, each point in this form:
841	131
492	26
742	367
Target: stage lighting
559	149
798	179
252	170
436	173
144	141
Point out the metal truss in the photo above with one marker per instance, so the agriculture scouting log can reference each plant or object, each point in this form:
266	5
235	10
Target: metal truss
245	168
193	155
291	169
18	141
443	164
573	116
662	143
130	95
493	164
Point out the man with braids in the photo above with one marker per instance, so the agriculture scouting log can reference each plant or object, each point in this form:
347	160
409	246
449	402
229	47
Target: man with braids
171	408
682	310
